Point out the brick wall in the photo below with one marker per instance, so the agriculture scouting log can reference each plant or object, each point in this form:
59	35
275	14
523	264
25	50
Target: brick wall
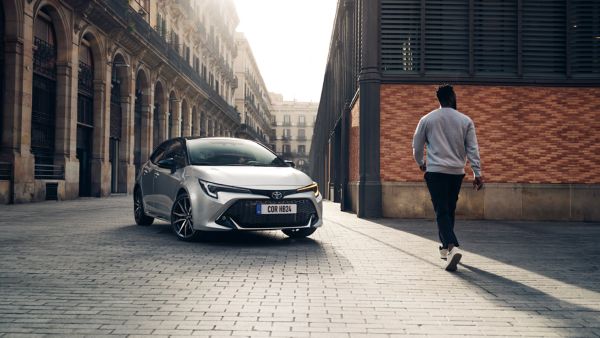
526	134
354	142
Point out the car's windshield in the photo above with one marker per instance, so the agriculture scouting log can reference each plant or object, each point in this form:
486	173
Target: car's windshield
231	152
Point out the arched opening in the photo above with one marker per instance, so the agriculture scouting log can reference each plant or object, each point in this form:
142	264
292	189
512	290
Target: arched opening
172	110
141	85
118	81
43	108
158	99
85	116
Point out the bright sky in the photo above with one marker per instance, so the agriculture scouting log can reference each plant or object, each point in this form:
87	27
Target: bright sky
290	42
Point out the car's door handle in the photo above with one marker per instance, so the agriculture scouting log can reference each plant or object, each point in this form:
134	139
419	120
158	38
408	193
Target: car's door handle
146	171
156	174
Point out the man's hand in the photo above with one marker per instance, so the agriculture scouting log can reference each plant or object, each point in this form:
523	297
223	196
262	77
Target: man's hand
423	167
478	183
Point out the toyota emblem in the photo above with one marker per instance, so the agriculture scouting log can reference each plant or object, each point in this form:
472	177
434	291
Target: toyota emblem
277	195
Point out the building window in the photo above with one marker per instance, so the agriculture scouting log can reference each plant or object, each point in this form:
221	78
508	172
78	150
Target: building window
287	134
301	134
43	117
287	121
287	149
301	121
302	149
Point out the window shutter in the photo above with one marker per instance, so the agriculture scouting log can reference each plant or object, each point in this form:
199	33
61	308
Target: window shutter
584	39
495	40
447	32
544	37
400	36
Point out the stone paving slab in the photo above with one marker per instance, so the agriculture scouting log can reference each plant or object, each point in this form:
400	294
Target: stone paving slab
83	268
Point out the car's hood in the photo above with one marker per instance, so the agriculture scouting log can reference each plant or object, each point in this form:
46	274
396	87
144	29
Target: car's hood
251	177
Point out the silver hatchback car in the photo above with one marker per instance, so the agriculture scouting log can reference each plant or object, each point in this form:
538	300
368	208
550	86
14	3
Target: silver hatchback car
224	184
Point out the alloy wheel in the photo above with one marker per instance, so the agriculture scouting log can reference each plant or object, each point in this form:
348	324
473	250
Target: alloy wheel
181	218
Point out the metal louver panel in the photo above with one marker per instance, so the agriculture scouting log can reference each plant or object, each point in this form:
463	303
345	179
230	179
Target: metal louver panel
495	40
544	37
400	36
584	40
447	32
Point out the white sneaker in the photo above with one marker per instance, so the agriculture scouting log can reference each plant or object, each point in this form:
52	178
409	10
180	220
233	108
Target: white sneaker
443	253
454	257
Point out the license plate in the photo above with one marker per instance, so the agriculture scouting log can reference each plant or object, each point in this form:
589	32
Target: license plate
275	209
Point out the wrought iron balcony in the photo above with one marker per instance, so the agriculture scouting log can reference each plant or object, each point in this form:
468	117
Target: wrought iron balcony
139	29
49	172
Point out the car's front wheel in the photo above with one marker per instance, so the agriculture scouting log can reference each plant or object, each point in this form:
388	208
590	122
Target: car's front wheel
299	233
138	210
181	219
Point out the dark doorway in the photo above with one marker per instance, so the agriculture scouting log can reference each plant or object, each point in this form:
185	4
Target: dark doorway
43	110
85	118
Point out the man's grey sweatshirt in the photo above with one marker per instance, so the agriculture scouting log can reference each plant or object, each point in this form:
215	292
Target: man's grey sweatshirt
450	139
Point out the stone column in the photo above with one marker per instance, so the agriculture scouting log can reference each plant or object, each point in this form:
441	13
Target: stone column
126	165
16	124
186	116
66	129
195	122
147	124
100	163
176	118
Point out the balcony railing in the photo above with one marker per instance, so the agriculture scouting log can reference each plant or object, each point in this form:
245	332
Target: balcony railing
5	171
160	46
49	172
246	129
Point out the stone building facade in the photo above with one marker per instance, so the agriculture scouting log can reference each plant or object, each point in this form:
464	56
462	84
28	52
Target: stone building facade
89	88
252	98
526	72
294	124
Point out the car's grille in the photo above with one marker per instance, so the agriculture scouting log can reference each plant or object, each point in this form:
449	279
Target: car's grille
243	212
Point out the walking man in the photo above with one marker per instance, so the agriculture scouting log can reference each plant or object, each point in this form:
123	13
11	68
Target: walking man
450	139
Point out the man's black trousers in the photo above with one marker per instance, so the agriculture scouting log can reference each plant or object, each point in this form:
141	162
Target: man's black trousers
444	189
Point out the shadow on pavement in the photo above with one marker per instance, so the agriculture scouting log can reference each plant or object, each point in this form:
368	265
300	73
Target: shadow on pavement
563	251
518	296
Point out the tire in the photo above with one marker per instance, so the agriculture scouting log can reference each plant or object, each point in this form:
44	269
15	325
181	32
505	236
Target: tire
181	219
138	210
299	233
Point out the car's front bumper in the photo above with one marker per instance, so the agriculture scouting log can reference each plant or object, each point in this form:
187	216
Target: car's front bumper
236	211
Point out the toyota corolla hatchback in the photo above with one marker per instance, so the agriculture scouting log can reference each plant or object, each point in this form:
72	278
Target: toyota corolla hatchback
224	184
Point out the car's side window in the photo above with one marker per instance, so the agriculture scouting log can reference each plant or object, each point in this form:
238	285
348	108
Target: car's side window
177	153
160	152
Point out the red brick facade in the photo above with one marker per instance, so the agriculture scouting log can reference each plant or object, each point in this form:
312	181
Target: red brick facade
526	134
354	142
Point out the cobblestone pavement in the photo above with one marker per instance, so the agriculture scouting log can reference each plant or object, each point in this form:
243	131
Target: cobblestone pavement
82	268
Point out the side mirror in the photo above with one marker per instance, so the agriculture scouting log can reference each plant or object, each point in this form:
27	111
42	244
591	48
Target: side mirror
290	163
168	163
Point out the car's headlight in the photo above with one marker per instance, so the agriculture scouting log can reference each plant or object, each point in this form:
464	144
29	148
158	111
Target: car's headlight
212	189
314	187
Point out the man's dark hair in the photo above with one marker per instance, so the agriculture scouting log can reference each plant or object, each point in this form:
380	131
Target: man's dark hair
446	96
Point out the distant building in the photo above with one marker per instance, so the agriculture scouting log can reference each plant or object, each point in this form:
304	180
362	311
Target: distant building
294	124
89	88
526	72
252	97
